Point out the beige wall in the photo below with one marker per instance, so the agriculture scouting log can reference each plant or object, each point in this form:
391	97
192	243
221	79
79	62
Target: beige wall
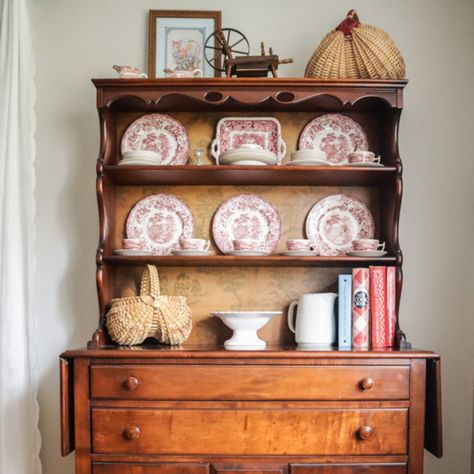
77	40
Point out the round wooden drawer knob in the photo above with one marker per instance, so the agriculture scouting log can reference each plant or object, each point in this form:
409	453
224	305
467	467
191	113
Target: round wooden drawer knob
132	432
365	432
131	383
367	383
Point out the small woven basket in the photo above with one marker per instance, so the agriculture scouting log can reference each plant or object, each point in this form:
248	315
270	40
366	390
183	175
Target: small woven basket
356	51
165	318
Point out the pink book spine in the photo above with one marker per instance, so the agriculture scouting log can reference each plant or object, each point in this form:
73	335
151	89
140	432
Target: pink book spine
360	307
391	305
378	310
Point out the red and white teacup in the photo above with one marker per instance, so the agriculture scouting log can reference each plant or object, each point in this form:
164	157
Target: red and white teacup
133	244
194	244
302	245
363	156
247	244
368	245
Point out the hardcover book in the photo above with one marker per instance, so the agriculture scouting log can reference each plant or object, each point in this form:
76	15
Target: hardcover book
345	311
360	307
378	306
391	305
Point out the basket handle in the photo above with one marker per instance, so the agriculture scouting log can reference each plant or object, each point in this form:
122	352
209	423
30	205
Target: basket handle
150	284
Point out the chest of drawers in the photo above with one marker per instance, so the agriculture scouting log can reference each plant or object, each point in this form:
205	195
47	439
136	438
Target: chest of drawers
202	410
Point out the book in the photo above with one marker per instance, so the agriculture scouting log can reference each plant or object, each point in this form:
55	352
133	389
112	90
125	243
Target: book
345	311
360	307
378	306
391	306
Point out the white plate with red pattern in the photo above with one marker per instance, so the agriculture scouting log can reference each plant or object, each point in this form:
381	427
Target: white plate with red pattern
334	134
161	134
161	220
246	216
335	221
232	132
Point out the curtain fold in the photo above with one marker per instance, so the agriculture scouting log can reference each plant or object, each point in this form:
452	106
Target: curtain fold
19	435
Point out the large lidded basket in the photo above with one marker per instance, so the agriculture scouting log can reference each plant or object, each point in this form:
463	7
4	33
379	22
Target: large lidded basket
356	51
165	318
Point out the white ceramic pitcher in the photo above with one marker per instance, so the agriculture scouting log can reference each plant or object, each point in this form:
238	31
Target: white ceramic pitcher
315	320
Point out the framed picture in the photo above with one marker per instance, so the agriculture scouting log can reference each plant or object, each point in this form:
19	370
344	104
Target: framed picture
176	43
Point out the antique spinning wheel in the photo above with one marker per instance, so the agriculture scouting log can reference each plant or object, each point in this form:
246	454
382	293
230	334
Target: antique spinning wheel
227	42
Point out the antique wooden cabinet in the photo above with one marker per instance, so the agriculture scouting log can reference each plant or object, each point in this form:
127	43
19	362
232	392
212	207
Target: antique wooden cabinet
152	409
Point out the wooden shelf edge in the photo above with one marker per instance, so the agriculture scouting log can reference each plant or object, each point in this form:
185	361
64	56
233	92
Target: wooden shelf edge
226	260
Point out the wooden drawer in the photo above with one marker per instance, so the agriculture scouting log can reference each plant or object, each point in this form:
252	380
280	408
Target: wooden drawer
250	382
308	431
150	468
348	469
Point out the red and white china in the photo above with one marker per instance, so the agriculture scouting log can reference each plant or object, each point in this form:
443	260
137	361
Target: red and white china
300	253
363	156
161	220
246	216
336	135
194	244
247	155
233	132
335	221
247	244
247	253
300	245
191	253
133	252
127	72
368	244
158	133
367	253
136	244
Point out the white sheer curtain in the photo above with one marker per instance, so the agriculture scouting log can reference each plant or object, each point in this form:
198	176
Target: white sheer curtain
19	435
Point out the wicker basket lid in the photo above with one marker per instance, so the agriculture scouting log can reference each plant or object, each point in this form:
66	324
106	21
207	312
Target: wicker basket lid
358	51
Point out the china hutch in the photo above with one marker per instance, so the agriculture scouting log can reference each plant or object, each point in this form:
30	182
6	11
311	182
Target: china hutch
199	409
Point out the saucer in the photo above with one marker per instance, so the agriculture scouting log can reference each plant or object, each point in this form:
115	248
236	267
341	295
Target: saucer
300	253
308	162
191	253
367	253
133	252
365	165
247	253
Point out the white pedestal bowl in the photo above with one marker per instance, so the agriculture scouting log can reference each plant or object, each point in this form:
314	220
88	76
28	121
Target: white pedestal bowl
245	325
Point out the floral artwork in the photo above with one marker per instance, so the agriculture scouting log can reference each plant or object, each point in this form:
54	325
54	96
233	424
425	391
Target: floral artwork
187	54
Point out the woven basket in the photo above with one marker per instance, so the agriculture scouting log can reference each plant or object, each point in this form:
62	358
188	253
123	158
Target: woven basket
356	51
165	318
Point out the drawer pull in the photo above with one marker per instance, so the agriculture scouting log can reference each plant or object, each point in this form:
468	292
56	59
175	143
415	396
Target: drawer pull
132	432
367	383
365	432
131	383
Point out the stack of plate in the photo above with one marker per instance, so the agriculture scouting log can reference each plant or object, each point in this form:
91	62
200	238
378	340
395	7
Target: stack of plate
308	158
248	155
140	157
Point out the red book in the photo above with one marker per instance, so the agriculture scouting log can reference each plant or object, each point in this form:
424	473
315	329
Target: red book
391	305
378	309
360	307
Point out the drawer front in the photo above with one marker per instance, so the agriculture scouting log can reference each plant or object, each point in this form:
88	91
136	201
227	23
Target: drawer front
255	432
150	468
250	382
348	469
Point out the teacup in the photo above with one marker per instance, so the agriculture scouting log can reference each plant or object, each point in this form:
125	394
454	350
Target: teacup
133	244
247	244
362	156
194	244
302	245
128	71
182	73
368	245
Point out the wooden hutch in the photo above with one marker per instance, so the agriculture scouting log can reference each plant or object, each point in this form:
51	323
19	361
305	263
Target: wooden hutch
199	409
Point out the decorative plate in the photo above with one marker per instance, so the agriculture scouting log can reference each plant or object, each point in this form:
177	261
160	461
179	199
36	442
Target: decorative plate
159	133
334	134
367	253
247	216
259	157
232	132
335	221
161	220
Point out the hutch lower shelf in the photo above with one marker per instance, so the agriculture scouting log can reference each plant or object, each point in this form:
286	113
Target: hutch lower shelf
197	410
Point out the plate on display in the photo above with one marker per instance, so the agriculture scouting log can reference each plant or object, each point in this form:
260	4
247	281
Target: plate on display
132	252
336	135
335	221
160	220
308	162
192	253
247	216
246	156
367	253
158	133
300	253
365	165
232	132
247	253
